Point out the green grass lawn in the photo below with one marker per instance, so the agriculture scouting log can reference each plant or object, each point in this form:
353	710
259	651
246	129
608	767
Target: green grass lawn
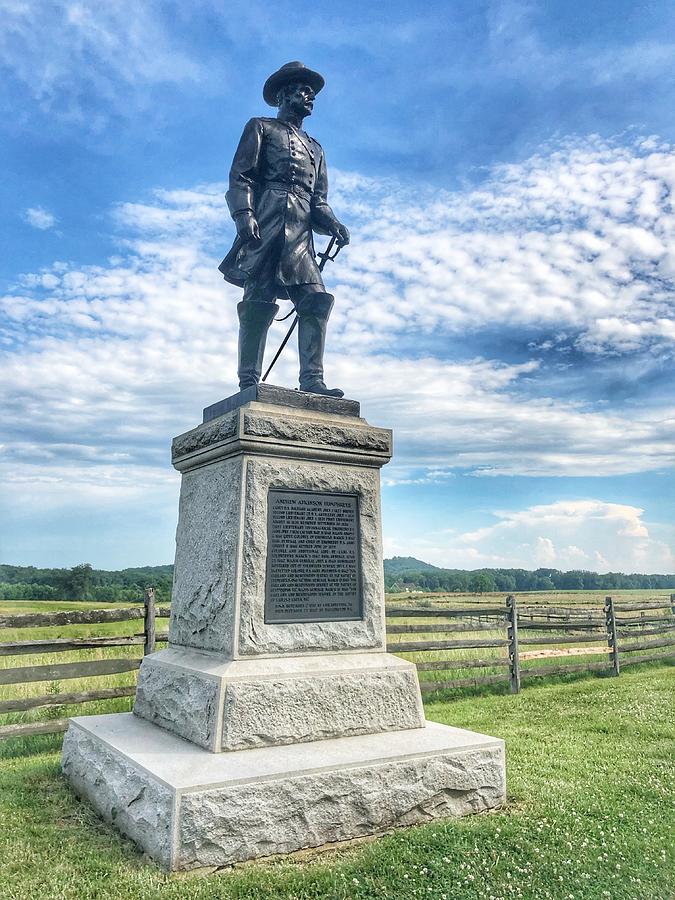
590	814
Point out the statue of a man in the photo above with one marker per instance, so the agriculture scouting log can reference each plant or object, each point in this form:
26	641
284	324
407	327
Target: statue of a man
277	198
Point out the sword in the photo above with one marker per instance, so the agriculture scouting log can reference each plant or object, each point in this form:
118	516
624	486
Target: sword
328	254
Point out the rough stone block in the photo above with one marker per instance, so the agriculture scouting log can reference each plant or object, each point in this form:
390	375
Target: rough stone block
238	704
207	544
311	431
316	707
181	699
189	808
287	734
126	796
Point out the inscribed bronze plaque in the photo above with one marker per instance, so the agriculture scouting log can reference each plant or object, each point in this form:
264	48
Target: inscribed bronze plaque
313	562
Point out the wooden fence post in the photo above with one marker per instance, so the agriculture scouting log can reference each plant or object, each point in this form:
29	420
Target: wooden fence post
149	618
612	643
672	604
514	660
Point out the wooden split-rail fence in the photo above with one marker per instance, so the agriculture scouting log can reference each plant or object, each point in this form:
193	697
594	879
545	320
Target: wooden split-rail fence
522	643
532	636
57	672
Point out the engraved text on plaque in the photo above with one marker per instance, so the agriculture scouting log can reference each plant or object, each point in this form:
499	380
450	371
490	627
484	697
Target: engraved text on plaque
313	565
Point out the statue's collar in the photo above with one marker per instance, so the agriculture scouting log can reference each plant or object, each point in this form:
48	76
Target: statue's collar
295	128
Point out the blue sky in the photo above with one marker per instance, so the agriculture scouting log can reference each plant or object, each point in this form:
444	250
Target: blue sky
507	170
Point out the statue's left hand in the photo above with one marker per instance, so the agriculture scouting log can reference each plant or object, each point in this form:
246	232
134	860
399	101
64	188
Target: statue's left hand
341	233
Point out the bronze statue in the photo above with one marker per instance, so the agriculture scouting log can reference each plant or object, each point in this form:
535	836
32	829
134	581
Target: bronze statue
277	198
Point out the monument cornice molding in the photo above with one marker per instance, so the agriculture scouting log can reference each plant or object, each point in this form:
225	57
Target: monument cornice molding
260	429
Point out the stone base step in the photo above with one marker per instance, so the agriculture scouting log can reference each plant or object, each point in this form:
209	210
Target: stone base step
188	808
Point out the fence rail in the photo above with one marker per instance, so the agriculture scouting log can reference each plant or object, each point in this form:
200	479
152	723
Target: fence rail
613	629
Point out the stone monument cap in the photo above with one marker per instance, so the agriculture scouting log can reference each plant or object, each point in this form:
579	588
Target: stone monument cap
278	396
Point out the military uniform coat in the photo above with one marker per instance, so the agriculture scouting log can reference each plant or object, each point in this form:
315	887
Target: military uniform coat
279	174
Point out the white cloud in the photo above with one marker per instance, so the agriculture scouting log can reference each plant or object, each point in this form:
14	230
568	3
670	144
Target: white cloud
474	415
39	218
544	554
574	243
624	336
578	239
151	336
568	534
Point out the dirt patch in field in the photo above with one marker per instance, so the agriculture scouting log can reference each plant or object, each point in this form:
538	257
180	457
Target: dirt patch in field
567	651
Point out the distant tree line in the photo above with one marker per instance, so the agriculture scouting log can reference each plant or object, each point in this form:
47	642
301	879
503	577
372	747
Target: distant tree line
506	580
82	582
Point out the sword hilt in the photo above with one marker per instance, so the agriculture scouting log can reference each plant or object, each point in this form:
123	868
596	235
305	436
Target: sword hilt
328	253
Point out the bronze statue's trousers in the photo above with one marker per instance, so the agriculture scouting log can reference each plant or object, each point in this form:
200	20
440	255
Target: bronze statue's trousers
313	311
254	322
256	312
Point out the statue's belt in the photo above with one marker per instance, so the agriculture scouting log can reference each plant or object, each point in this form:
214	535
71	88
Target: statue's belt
290	188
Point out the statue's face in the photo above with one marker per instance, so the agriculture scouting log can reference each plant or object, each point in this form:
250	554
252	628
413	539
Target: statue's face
299	99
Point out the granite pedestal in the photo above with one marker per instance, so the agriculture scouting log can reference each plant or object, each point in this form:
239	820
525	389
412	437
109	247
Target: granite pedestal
276	720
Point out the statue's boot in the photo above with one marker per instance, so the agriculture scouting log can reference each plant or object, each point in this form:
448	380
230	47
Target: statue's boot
313	311
255	319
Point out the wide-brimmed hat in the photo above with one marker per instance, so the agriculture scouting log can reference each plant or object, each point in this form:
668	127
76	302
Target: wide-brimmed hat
292	71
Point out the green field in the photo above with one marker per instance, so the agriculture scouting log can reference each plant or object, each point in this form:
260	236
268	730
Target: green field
533	598
15	607
589	815
525	598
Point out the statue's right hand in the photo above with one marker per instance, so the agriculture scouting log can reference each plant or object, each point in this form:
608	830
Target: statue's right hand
247	227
